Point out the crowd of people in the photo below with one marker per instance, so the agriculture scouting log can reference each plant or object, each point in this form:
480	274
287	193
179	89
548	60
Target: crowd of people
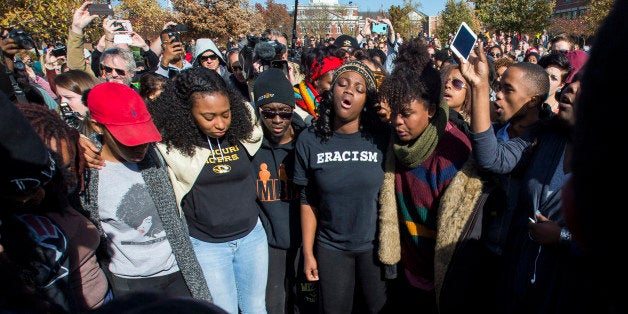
372	174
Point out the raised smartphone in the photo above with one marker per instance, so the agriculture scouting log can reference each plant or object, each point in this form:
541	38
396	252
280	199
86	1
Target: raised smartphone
463	42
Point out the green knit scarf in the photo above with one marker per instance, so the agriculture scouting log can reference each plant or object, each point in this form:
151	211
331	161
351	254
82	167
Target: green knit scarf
412	154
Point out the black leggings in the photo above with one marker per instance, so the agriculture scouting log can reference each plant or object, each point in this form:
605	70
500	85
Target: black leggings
172	285
339	273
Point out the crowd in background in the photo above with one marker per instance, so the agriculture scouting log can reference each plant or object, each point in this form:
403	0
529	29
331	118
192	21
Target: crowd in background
356	174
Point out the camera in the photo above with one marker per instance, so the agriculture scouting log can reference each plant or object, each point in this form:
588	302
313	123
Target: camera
261	50
22	39
174	32
59	50
69	116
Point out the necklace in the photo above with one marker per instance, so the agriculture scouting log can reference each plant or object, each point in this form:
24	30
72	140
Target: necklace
218	168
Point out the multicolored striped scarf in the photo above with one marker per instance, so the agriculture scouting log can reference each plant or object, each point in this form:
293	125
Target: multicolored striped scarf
307	98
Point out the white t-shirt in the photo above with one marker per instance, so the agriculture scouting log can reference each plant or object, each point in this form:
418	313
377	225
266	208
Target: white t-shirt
137	240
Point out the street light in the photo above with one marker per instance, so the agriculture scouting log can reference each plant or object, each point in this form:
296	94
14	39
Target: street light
294	25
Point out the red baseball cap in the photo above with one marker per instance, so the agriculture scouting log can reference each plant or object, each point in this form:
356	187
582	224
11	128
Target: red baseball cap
123	111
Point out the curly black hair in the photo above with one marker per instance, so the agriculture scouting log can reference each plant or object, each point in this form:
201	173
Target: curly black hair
172	113
369	120
413	78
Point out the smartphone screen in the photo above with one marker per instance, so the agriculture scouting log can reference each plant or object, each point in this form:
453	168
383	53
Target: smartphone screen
100	9
380	28
463	42
122	39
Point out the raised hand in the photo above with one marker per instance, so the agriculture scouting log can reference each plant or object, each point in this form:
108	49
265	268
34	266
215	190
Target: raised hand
82	18
476	70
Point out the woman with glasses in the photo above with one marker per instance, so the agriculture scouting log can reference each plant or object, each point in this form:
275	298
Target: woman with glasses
457	95
495	52
208	140
339	167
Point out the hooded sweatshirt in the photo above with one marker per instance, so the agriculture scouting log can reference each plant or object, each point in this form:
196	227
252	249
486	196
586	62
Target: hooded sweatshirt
204	44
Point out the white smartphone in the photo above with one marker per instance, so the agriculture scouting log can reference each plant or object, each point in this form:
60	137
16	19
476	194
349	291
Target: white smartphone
122	39
463	42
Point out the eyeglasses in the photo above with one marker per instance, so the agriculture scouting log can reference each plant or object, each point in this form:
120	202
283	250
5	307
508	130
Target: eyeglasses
563	51
236	68
285	115
495	54
348	50
456	83
204	58
110	70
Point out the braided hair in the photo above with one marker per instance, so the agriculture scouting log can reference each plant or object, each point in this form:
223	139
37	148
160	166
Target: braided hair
55	133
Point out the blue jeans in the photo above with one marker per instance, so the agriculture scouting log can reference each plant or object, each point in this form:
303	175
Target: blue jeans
236	271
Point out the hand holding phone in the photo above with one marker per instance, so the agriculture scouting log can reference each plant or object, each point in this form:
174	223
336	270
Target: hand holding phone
463	42
380	28
100	9
122	26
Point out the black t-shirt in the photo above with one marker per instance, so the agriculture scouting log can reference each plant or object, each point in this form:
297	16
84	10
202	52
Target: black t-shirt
346	173
221	206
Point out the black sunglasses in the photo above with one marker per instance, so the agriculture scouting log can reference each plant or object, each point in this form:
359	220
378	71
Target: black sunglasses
110	69
456	83
204	58
236	68
348	50
495	54
285	115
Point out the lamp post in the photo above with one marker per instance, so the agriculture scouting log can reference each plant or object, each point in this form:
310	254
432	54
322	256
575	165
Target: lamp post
294	25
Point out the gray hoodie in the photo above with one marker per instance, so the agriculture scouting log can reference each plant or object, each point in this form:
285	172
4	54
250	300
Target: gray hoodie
204	44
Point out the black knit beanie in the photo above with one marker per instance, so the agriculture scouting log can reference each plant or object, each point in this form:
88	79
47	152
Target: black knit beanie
273	86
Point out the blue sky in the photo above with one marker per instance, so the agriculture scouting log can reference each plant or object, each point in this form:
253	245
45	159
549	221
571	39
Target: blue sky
429	7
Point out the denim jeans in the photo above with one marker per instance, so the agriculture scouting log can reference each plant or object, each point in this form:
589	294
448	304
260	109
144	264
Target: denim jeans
236	271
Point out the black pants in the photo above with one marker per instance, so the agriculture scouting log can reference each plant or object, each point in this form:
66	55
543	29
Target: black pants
341	272
281	286
172	285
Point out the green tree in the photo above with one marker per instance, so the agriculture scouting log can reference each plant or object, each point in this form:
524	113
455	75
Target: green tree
275	16
527	16
213	18
147	16
44	20
455	13
598	10
400	18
